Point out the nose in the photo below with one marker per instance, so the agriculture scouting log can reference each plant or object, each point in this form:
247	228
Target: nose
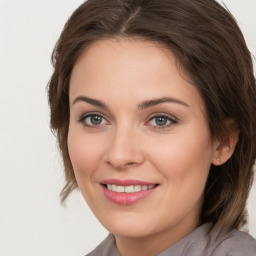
124	149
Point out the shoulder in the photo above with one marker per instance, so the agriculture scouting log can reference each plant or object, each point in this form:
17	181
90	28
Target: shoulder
235	243
106	247
204	242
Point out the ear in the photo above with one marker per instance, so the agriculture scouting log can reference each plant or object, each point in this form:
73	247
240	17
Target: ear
224	147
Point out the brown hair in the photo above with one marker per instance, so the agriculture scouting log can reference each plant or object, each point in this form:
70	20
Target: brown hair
209	47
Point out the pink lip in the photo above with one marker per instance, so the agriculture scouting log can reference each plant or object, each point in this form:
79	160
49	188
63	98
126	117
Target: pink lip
126	182
126	198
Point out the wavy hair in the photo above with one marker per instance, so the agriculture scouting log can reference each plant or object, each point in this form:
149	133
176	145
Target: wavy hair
209	46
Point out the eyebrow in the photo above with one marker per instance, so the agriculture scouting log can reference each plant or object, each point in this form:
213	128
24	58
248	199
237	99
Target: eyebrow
91	101
153	102
141	106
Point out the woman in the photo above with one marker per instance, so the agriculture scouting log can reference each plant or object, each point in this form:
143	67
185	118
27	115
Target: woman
153	103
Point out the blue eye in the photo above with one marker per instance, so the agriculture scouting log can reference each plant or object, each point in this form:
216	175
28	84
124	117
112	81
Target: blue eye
93	120
162	121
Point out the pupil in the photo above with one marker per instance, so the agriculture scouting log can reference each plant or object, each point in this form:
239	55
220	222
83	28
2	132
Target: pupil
95	120
161	121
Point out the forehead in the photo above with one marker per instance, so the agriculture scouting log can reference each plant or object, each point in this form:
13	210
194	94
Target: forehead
130	68
123	54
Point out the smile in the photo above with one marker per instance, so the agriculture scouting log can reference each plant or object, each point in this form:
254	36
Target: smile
128	189
127	192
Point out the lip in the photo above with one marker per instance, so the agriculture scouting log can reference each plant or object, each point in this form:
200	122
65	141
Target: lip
126	182
126	198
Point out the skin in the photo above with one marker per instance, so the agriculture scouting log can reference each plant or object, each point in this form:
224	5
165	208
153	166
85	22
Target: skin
129	144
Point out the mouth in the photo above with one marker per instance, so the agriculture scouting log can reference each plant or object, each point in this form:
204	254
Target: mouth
127	192
128	189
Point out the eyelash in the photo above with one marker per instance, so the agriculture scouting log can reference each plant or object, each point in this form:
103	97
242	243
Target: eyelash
172	120
169	118
84	116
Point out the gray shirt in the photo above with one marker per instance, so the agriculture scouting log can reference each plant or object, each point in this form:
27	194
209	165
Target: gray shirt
197	243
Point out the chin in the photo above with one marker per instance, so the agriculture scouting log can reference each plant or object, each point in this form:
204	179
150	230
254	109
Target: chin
128	231
129	227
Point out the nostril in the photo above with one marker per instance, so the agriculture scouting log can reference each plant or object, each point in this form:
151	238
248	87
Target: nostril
130	163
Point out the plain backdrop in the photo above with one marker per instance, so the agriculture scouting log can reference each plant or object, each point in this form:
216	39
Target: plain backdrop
32	221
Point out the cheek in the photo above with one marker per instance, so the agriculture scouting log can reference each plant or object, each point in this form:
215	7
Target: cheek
184	158
84	153
184	164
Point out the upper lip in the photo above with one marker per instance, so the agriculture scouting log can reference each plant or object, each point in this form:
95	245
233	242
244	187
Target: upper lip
128	182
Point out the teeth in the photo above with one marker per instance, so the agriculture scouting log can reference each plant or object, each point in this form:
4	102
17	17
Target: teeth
128	189
120	189
113	188
144	187
137	188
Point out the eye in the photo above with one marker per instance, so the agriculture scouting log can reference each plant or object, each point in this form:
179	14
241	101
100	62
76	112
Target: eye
92	120
161	121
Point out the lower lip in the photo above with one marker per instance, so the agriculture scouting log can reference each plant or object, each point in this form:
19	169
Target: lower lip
127	198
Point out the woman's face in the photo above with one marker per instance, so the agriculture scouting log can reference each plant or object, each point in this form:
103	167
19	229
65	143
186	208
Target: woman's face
138	139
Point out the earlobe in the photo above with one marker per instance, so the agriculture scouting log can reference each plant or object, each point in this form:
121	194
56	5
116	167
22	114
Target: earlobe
224	148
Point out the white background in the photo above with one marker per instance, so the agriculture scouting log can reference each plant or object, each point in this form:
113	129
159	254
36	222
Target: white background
32	221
